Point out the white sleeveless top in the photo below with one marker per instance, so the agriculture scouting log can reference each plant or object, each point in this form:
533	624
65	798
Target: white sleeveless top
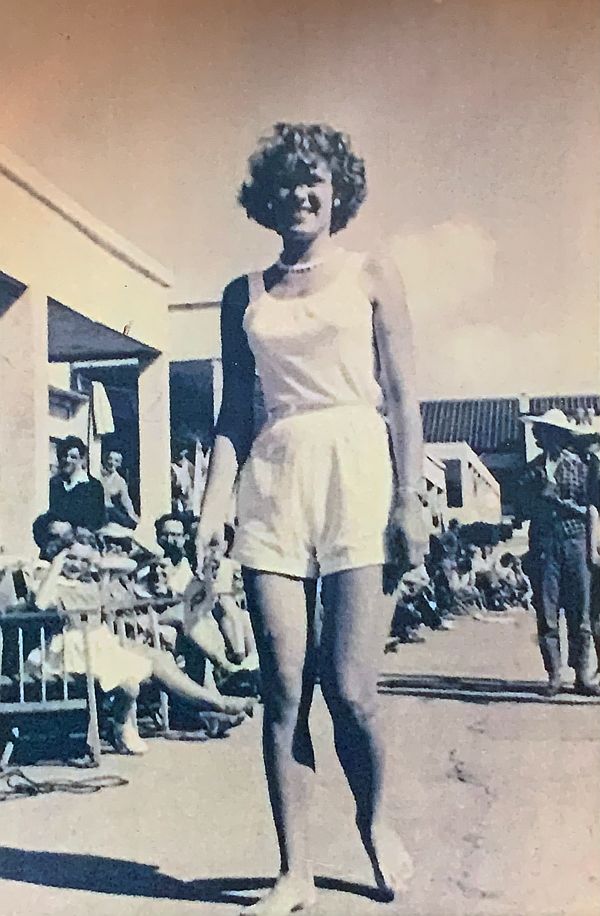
315	351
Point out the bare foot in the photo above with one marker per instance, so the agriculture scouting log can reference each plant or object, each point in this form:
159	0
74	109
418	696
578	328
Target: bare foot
392	865
290	895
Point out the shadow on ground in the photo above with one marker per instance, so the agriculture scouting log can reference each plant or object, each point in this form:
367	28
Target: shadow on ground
475	689
103	875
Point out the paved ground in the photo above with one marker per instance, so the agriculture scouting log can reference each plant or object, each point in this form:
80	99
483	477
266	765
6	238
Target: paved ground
496	791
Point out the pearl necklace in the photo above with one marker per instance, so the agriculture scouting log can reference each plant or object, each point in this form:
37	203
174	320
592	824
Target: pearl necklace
301	268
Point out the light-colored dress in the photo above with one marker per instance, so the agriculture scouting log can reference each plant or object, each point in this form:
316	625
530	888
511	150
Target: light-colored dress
111	664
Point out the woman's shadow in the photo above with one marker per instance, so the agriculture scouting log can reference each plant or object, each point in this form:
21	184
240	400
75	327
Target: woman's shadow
103	875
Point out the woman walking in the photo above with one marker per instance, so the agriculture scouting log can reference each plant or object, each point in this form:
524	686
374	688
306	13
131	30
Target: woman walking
328	333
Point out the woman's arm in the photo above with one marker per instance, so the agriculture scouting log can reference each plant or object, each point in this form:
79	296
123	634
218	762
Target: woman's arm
234	430
395	347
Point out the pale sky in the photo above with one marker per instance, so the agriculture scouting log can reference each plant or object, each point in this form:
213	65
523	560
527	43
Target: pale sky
478	119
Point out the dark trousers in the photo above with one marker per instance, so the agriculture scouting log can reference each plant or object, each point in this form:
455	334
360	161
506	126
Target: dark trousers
560	578
595	608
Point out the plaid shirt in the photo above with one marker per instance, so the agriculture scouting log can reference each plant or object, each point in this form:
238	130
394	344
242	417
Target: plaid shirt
555	510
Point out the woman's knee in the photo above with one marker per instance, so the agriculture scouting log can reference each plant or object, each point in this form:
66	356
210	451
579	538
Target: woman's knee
282	701
350	694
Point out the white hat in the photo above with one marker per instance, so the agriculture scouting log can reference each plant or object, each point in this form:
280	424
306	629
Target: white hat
116	563
116	532
557	419
121	533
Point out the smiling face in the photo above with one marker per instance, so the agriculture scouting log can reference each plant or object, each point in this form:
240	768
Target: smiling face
113	461
79	562
71	462
304	202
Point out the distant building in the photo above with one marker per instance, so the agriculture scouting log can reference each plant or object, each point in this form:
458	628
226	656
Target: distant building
493	430
472	491
435	497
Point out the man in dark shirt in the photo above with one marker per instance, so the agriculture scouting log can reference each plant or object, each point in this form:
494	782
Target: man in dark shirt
76	497
554	494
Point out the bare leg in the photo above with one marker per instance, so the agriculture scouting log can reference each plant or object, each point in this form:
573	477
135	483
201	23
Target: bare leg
282	611
165	670
355	627
249	641
126	737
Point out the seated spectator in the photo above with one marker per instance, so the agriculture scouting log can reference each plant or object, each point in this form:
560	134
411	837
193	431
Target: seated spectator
463	585
516	583
172	536
151	580
449	541
76	497
490	578
480	563
71	587
52	535
407	619
117	501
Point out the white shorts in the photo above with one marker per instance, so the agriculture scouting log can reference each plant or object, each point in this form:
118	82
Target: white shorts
315	494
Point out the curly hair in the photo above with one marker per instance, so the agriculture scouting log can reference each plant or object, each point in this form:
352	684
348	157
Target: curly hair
294	145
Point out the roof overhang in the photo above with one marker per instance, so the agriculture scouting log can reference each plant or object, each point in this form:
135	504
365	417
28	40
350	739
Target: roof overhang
73	337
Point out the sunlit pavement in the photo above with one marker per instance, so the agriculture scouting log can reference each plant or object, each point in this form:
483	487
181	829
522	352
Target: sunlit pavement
494	788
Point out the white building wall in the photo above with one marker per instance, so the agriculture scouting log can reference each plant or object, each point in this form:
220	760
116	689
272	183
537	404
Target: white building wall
57	250
195	331
480	489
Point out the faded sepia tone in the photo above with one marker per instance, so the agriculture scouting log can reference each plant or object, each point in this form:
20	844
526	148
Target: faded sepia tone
127	127
478	122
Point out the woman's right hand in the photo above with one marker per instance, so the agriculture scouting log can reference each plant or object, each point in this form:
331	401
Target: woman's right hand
211	530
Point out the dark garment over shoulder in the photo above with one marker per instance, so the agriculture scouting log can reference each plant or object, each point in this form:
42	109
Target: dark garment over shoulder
594	480
236	417
83	506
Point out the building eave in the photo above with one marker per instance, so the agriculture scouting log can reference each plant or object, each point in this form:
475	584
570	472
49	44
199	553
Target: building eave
29	180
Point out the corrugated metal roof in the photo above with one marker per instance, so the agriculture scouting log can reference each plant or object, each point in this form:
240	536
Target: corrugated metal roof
486	424
570	404
492	424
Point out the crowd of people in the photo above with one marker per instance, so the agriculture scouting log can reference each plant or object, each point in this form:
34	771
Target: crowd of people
192	631
467	568
200	647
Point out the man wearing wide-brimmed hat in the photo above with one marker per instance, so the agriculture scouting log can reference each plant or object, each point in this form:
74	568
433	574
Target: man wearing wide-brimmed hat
554	494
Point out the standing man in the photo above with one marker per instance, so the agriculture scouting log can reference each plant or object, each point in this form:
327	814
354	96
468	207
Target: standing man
553	493
76	497
117	501
182	481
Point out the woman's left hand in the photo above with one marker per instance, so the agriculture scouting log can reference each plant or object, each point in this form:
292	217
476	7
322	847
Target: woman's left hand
407	533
